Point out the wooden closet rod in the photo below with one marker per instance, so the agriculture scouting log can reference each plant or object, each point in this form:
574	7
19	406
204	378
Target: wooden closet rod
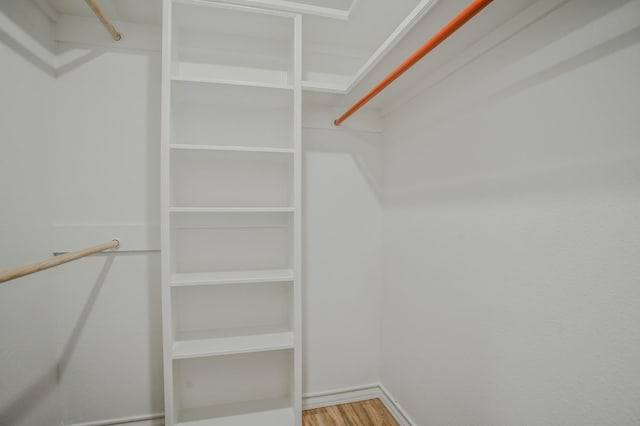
21	271
105	21
472	10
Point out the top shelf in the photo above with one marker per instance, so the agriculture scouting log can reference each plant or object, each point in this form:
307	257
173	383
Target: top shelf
227	44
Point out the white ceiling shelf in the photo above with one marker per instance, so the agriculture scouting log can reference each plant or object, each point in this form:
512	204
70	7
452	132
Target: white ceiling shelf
323	87
231	277
232	345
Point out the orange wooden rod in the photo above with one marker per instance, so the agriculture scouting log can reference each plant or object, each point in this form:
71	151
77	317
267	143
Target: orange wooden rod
472	10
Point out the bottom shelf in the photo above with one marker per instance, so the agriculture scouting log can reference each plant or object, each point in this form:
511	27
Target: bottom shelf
268	412
235	390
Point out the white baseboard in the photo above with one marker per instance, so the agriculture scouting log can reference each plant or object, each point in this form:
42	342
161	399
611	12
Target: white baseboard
309	401
340	396
394	407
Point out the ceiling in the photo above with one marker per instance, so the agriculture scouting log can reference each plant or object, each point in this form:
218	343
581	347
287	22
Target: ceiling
503	34
140	11
150	11
488	20
369	24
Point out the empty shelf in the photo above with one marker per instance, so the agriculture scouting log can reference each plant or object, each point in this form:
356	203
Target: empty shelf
231	277
231	209
232	148
232	345
263	413
224	78
282	417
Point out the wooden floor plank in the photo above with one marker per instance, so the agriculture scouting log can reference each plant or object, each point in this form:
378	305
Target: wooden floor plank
364	413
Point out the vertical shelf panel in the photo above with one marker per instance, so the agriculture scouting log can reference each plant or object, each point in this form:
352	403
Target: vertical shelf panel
229	44
165	201
296	378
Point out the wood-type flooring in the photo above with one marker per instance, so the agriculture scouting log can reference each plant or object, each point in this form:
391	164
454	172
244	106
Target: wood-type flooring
364	413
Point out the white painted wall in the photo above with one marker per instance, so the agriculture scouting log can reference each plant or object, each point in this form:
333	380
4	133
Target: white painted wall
27	317
110	326
511	235
97	164
107	174
341	250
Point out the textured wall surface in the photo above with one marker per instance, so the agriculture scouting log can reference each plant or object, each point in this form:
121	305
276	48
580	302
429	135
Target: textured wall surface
512	237
107	161
28	362
342	257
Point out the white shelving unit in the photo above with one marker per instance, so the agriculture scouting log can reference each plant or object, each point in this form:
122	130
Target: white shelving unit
231	219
